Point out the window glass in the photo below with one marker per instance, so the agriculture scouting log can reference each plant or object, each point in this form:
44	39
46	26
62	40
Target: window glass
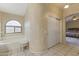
17	29
13	23
13	26
9	29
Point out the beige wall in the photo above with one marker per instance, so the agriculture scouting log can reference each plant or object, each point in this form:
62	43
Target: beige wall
38	28
5	17
73	8
27	25
56	12
0	23
73	24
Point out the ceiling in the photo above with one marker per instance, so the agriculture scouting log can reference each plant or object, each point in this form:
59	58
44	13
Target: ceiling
71	17
61	5
14	8
20	8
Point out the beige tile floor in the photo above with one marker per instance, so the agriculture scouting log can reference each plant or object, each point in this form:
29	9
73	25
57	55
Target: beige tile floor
57	50
71	48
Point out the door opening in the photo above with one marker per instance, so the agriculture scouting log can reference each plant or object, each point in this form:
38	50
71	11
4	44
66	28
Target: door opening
72	30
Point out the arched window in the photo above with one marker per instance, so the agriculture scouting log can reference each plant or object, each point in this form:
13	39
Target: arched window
13	27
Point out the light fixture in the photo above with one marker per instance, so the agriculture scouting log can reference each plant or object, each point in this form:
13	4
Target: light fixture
66	6
74	19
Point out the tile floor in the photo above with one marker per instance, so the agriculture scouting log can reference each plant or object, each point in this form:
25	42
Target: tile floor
72	41
58	50
69	49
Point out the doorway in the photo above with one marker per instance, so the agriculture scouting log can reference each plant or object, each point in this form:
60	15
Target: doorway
72	30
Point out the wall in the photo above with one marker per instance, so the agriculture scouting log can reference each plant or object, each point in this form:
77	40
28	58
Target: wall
73	8
5	17
56	12
0	27
38	27
27	26
73	24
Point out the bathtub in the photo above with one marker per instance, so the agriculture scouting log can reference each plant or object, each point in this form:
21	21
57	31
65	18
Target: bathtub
12	46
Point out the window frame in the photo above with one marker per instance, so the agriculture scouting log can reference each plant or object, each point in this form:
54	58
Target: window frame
14	28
